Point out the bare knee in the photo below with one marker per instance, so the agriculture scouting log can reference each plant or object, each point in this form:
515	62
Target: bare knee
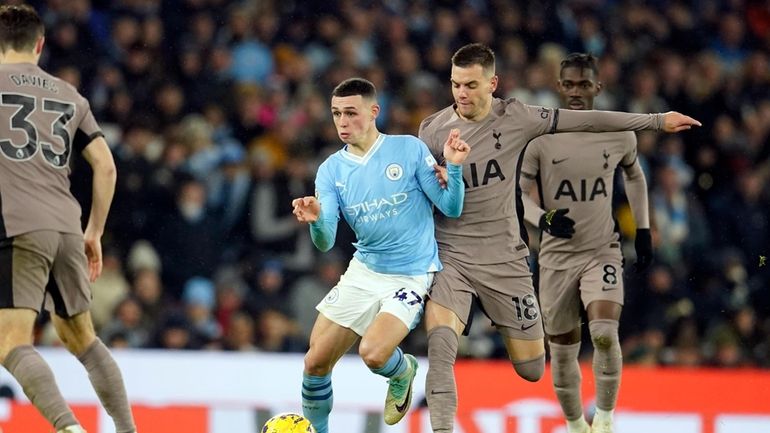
316	364
373	356
80	343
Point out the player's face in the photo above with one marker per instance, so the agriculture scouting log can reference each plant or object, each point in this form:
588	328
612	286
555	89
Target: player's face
354	117
578	87
472	89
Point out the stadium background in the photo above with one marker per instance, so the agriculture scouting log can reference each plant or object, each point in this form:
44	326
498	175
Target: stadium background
217	114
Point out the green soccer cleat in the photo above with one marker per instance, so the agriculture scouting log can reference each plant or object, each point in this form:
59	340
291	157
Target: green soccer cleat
399	396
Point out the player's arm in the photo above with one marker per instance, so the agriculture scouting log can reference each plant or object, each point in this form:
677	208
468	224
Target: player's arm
636	192
607	121
98	155
448	200
532	210
554	222
322	230
439	168
321	212
530	166
536	121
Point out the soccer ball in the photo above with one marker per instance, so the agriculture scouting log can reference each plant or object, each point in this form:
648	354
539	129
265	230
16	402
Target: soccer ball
288	423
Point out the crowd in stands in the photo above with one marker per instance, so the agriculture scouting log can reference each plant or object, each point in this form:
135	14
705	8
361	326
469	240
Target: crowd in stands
218	115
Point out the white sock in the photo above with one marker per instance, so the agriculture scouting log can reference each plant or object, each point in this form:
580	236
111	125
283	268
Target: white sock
577	425
603	415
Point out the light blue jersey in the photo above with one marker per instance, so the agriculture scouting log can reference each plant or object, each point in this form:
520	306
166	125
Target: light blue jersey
386	196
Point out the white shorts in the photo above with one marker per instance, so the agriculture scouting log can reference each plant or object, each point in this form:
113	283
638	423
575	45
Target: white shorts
362	293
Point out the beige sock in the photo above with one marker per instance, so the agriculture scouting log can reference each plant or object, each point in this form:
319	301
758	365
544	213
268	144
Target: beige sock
607	363
440	386
107	381
36	378
565	371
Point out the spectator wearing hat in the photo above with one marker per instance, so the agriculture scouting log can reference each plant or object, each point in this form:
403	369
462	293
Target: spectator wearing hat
198	299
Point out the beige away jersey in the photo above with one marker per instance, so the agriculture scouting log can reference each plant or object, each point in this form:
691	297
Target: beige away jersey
45	120
576	172
490	227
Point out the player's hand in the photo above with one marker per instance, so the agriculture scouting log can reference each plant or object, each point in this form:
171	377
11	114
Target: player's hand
440	174
306	209
93	246
644	254
455	149
674	122
556	223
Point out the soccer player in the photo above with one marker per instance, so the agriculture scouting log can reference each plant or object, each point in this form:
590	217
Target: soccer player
385	187
45	257
485	251
587	265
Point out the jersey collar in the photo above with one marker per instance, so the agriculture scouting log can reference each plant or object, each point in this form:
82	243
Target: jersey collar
367	156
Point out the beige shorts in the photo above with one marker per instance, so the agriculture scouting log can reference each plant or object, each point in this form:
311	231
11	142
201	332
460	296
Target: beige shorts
504	291
45	269
562	291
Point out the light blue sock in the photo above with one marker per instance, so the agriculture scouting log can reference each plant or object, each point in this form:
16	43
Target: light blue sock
317	400
395	365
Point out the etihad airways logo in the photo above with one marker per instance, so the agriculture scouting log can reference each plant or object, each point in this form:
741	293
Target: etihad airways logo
377	209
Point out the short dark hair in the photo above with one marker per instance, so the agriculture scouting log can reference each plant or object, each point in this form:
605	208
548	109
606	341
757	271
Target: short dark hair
475	54
355	86
580	60
20	28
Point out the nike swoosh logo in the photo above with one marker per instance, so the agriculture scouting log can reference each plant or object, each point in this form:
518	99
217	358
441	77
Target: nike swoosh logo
558	161
525	327
403	407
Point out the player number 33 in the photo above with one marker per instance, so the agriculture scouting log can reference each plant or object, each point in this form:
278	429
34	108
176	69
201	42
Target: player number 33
20	121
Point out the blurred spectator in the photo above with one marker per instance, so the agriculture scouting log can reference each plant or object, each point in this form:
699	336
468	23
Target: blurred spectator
131	218
269	289
732	343
743	217
273	226
230	297
252	59
127	325
109	289
188	240
308	291
198	300
679	227
147	289
174	332
203	156
240	334
277	332
228	194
